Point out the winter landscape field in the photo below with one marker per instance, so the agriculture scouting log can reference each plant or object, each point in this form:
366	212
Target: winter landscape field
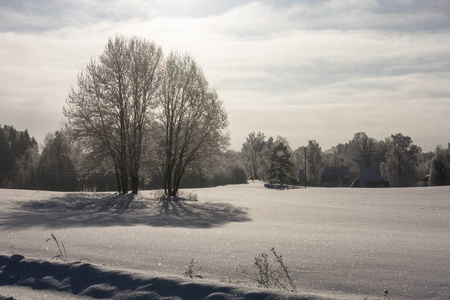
337	243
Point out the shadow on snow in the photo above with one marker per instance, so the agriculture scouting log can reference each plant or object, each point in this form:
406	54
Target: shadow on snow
84	210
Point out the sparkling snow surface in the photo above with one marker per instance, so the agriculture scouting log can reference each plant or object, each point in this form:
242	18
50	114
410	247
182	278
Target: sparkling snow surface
360	242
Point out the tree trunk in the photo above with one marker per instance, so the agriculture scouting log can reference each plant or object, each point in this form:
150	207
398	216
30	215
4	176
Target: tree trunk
177	182
134	183
124	180
164	184
119	185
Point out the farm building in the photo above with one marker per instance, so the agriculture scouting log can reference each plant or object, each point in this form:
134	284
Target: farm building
335	177
371	177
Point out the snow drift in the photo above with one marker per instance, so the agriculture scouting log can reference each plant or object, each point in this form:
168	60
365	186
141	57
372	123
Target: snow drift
98	282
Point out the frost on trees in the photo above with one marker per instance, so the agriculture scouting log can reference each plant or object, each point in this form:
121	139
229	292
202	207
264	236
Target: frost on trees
110	108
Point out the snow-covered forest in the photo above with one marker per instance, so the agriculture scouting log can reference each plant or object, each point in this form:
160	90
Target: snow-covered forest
59	166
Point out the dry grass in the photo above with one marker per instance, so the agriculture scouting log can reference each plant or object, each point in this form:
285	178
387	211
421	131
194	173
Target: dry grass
61	248
270	275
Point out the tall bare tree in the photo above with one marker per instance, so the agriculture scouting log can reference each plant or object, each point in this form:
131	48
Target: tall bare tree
190	124
362	149
56	169
264	164
314	159
440	167
251	153
402	159
110	109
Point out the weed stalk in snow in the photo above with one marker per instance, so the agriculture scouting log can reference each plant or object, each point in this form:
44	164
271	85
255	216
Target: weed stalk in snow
191	270
62	249
270	276
283	267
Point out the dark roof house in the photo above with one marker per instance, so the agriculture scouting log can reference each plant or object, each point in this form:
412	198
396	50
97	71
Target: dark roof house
371	177
301	174
335	176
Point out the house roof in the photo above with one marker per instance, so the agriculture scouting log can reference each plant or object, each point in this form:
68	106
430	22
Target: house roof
335	170
372	174
301	173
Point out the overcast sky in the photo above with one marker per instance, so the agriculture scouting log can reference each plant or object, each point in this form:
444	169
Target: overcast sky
304	70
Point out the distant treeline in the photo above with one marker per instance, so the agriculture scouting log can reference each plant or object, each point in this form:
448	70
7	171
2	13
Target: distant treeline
60	167
19	158
398	159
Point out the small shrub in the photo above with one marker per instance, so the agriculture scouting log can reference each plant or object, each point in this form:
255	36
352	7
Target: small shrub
89	189
181	195
191	270
269	275
188	195
158	194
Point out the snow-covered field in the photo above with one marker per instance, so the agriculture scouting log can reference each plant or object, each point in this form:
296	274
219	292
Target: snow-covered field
337	243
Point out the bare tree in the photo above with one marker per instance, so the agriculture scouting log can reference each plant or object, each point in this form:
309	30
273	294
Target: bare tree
251	153
336	156
56	165
362	149
110	109
264	164
402	159
440	167
314	159
190	121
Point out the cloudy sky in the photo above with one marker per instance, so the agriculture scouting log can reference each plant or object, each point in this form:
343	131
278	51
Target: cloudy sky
304	70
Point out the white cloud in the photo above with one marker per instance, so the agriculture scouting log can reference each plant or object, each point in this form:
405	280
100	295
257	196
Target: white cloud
304	71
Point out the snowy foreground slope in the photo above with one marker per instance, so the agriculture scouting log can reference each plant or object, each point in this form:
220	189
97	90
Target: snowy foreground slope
337	243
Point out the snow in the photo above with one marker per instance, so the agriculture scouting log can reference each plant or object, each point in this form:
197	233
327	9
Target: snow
337	243
89	281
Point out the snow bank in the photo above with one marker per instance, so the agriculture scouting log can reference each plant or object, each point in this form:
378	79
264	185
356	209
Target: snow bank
98	282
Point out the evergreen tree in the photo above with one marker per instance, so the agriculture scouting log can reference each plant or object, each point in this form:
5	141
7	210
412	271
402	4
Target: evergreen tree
6	160
281	165
18	151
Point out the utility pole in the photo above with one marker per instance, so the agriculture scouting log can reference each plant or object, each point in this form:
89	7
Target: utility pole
305	166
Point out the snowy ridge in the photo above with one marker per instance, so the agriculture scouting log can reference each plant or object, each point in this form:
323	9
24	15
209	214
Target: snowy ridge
85	279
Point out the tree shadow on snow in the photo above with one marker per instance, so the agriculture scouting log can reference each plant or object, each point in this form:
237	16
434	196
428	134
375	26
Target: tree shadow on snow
84	210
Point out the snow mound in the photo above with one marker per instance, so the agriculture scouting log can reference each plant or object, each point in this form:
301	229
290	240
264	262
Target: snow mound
98	282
